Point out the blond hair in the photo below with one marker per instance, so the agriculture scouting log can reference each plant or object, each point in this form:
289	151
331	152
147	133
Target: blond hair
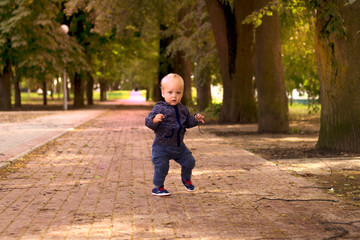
172	77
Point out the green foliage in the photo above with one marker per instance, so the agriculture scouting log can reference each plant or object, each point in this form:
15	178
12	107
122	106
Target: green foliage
328	13
193	35
214	109
127	53
257	15
32	39
298	50
297	37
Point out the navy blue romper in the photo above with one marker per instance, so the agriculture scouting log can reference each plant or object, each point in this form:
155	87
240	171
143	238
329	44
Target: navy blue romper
168	143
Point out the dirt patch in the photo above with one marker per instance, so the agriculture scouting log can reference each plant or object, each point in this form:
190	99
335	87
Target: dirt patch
336	172
298	152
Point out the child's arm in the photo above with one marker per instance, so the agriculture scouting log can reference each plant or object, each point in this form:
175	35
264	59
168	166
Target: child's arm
193	120
154	115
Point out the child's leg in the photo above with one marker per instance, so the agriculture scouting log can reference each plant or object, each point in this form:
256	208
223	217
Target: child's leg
161	169
187	163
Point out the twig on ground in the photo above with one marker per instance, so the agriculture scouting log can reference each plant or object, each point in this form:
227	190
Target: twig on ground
317	187
297	200
330	227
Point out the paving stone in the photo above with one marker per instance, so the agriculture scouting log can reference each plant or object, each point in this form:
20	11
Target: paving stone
95	181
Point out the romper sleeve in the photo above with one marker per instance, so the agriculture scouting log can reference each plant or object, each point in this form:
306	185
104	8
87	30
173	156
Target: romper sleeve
149	119
190	119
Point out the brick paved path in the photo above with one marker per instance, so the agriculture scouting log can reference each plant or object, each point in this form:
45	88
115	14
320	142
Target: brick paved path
19	138
95	183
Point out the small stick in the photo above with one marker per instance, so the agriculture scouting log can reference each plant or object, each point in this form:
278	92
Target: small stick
200	129
297	200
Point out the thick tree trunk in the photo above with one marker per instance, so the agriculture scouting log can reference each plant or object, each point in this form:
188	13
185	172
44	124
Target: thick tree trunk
166	64
78	91
272	100
203	92
183	68
89	89
103	90
186	75
17	93
5	87
244	93
234	42
338	65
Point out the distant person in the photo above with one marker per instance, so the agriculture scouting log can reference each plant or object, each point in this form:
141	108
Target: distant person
169	121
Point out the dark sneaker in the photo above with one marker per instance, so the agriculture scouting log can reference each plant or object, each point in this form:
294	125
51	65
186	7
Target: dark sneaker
188	185
161	191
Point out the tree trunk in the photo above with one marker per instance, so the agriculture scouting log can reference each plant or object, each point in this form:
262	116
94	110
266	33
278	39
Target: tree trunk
89	89
17	92
338	59
44	88
272	100
147	94
234	42
183	68
203	92
166	64
78	91
5	87
103	90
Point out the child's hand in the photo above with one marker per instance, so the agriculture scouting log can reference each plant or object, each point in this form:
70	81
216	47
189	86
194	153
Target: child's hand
199	117
158	118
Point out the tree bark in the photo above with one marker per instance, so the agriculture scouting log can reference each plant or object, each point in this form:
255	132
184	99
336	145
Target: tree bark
17	92
166	64
44	88
183	68
78	91
5	87
203	92
103	90
89	89
338	57
272	101
234	42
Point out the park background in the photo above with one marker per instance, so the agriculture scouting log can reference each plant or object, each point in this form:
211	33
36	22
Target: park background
254	54
257	52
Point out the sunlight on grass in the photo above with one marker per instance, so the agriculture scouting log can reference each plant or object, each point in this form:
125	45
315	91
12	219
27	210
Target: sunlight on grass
35	98
299	111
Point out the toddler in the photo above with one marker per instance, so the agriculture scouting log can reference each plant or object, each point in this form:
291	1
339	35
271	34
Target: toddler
169	121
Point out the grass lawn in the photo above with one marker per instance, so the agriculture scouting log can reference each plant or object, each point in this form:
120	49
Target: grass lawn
297	111
35	98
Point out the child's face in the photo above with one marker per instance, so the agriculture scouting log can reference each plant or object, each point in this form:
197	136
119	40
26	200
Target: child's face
172	92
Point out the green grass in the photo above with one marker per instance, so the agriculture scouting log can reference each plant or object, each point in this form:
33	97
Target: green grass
299	111
37	99
119	94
